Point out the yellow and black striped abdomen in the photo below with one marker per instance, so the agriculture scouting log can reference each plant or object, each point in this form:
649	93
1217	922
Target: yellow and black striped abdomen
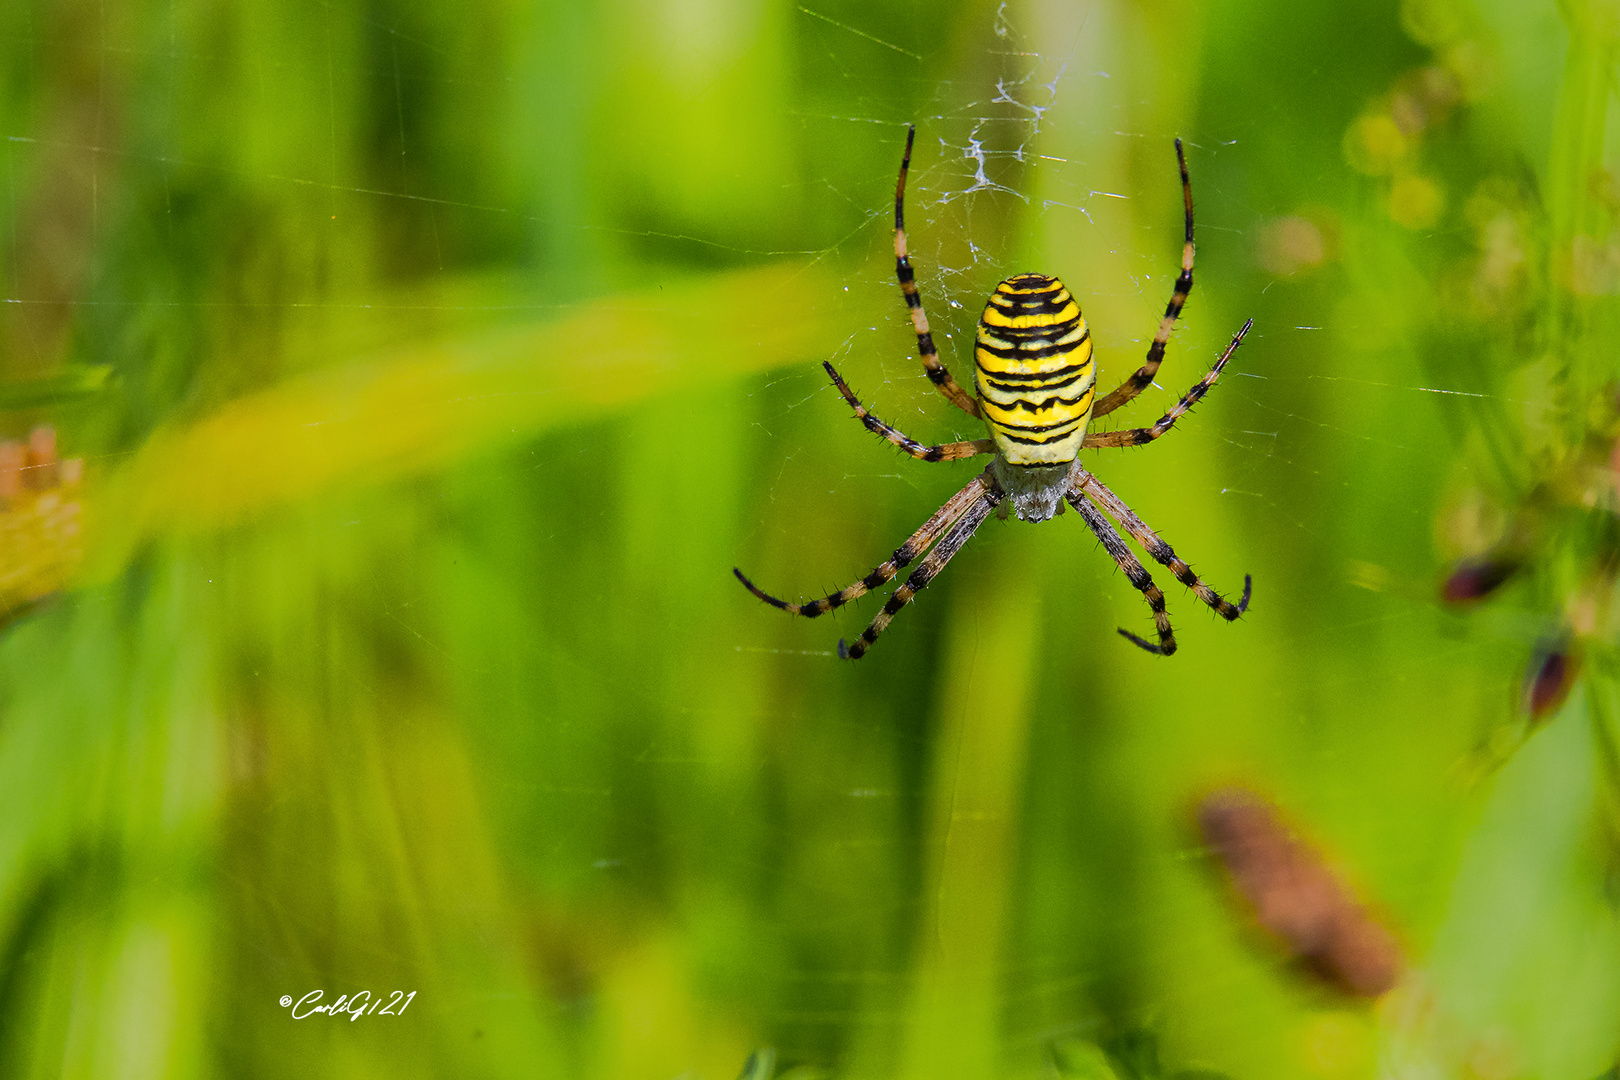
1034	372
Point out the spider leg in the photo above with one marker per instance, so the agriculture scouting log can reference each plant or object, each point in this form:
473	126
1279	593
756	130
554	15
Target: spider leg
925	572
1178	298
1156	547
920	541
1142	436
946	452
908	286
1116	547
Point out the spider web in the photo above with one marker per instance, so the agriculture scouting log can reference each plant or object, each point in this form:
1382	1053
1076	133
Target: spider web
1037	163
1317	445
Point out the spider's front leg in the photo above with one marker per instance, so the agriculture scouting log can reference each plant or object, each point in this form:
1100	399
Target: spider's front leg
1155	546
930	567
919	542
1116	547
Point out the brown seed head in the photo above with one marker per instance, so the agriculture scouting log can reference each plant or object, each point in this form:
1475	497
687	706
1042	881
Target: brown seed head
1296	898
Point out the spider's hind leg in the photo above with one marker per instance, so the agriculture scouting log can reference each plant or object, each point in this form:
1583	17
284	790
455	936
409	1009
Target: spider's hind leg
1172	311
937	374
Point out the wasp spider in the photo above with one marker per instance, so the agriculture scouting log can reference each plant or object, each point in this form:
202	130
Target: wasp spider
1036	384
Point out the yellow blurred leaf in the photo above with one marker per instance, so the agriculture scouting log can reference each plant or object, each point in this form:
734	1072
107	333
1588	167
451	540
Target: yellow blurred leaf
424	406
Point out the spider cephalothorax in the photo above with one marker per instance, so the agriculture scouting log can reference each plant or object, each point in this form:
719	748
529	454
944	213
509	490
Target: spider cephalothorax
1036	384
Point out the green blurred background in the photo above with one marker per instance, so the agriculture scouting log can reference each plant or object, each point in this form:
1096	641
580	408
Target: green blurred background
432	364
